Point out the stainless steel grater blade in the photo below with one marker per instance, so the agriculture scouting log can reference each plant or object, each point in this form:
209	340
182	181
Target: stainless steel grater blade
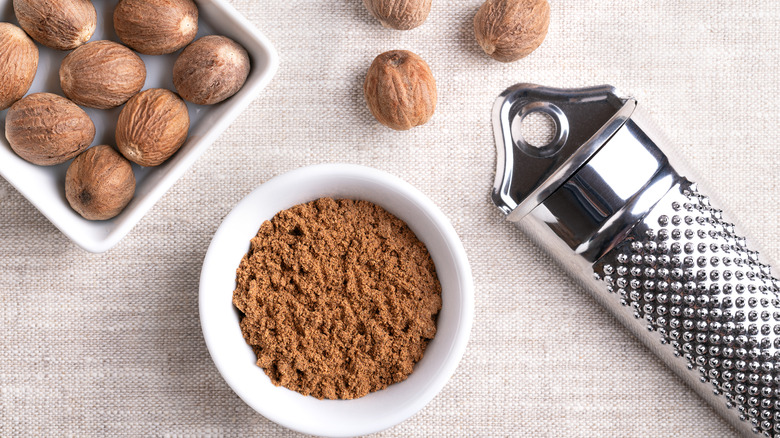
610	202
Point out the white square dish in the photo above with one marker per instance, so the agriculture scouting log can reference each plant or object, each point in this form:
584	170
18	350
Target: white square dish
44	186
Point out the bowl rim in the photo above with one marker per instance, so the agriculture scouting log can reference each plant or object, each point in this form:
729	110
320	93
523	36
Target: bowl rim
455	248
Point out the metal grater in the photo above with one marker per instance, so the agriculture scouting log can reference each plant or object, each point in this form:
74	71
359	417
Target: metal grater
624	216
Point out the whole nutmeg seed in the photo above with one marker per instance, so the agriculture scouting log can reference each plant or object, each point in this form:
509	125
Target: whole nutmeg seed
48	129
400	90
59	24
400	15
152	127
508	30
99	183
156	27
18	64
210	70
102	74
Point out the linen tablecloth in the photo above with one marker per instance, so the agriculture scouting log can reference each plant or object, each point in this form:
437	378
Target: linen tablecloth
110	344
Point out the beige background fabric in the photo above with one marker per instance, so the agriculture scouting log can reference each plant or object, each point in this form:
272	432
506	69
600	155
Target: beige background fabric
110	344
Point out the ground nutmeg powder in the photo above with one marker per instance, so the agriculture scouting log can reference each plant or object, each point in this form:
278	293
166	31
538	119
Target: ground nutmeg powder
338	298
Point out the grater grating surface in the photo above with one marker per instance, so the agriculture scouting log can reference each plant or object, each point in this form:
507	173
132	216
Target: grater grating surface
685	272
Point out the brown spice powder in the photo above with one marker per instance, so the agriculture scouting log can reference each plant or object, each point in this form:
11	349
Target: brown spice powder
338	298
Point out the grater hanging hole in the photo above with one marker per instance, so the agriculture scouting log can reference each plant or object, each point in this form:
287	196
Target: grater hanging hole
540	129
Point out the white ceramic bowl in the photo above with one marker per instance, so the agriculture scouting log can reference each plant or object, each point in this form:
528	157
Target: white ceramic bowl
236	360
44	187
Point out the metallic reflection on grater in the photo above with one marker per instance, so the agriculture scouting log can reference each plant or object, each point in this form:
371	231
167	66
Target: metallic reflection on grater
609	201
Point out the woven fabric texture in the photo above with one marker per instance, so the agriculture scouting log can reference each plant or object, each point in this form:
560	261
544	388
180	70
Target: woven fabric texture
110	344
